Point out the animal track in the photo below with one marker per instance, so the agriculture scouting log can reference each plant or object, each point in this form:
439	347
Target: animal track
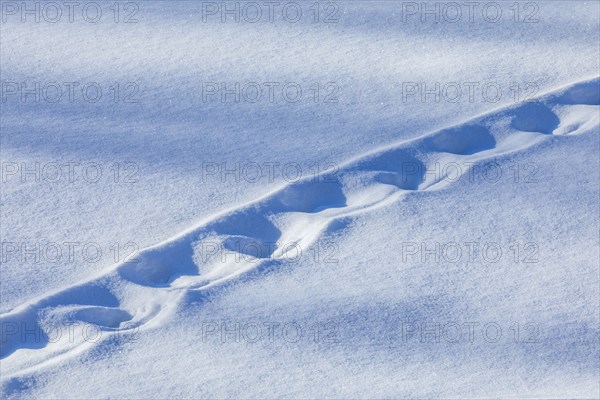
463	140
102	316
396	167
250	223
535	117
310	197
157	267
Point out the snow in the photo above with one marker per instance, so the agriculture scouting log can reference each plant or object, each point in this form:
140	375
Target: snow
390	246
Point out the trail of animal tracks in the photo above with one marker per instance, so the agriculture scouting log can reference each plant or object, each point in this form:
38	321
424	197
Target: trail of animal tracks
249	240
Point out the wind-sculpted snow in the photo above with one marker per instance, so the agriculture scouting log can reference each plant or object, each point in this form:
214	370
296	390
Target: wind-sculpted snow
134	296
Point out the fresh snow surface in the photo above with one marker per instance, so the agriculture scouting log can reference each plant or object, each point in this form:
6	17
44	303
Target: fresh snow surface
381	236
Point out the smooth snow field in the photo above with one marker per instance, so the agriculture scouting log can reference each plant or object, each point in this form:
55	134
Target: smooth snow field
300	200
